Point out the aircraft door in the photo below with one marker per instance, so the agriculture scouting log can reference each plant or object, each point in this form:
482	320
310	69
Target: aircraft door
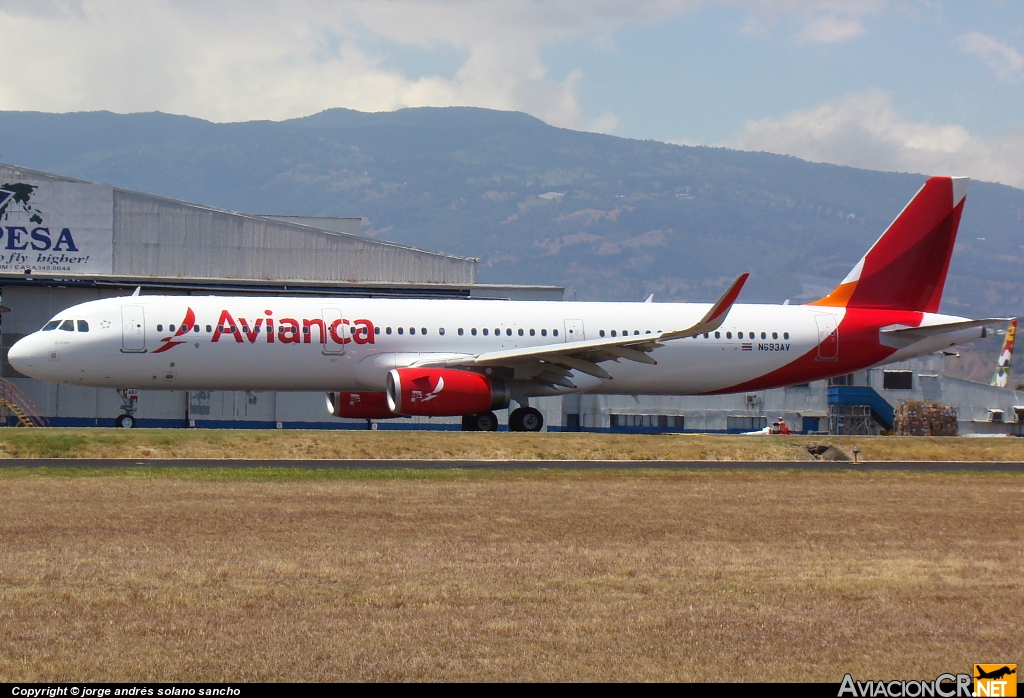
336	332
574	331
509	335
133	329
828	337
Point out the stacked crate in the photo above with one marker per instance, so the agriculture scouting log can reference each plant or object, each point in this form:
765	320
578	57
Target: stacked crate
919	418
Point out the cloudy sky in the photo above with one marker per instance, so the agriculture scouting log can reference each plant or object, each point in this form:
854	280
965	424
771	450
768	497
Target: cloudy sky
927	86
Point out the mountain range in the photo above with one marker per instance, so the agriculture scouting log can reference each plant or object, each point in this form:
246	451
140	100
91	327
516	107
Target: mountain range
609	218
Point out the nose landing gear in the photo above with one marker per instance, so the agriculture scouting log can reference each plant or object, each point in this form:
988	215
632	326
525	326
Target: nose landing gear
129	403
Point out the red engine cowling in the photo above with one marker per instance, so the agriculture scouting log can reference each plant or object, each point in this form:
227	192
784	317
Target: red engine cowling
359	405
434	392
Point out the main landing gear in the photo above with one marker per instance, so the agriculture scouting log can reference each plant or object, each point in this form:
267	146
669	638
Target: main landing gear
485	421
525	419
521	419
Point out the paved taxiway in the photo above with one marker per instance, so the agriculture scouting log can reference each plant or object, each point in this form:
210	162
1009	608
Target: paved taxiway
511	465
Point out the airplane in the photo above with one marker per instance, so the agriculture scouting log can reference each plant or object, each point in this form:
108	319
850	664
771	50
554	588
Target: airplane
384	358
1001	379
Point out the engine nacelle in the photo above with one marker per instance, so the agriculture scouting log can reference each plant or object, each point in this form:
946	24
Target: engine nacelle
439	392
359	406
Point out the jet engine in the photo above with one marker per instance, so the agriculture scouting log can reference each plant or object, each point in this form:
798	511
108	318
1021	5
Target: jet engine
359	406
434	392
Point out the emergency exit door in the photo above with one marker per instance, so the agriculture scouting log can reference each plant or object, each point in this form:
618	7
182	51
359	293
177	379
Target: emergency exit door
828	337
332	318
133	329
574	331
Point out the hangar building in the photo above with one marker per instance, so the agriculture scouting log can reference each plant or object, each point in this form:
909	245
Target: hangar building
65	241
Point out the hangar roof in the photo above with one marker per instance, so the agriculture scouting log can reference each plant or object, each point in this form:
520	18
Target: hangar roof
159	237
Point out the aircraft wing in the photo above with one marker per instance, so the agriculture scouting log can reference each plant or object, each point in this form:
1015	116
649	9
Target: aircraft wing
552	363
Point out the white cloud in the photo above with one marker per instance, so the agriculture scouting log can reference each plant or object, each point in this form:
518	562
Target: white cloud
830	29
1005	60
820	21
864	130
235	60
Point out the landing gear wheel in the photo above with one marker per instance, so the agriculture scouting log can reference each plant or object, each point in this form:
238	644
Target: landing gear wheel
125	421
485	421
525	419
515	420
531	419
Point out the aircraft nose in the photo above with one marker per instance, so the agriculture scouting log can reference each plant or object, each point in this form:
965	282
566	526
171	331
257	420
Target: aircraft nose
24	355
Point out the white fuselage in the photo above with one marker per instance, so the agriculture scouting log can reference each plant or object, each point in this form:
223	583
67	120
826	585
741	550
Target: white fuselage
288	343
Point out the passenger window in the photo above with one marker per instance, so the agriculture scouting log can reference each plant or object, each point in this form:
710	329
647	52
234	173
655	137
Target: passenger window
775	335
460	332
245	328
785	335
305	330
614	333
533	332
728	335
485	331
473	332
376	330
83	326
764	335
412	330
554	333
520	331
718	335
601	333
706	335
401	330
195	328
51	325
159	328
508	331
497	331
441	331
543	333
387	331
739	335
423	330
170	328
68	325
209	328
636	331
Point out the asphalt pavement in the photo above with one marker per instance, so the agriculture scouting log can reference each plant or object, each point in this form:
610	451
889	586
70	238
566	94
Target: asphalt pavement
512	465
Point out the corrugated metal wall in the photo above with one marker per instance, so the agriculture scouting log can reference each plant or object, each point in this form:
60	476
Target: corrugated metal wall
155	236
162	237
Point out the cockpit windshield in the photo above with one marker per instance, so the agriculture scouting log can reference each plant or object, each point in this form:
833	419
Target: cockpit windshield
66	325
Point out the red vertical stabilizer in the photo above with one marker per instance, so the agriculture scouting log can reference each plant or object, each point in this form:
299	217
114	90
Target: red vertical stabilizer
906	268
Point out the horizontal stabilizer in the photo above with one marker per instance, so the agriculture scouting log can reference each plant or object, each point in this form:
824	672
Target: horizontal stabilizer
917	333
899	336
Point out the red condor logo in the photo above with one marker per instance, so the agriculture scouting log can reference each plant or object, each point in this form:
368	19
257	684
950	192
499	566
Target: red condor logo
288	331
186	326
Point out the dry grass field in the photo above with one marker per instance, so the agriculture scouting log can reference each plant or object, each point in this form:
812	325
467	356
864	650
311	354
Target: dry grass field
447	445
263	574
